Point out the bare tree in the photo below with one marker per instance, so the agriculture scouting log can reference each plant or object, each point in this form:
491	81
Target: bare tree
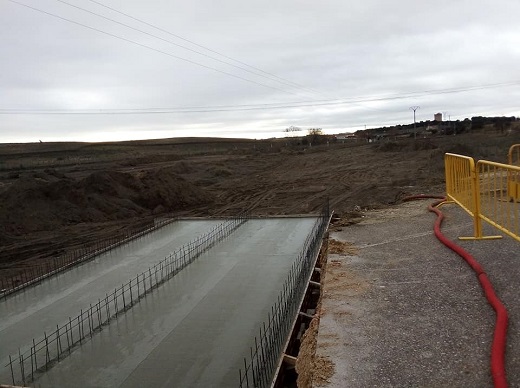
315	135
292	130
315	132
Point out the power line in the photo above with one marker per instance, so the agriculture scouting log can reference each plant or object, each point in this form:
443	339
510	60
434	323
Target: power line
290	84
251	107
267	106
160	51
210	109
201	46
151	48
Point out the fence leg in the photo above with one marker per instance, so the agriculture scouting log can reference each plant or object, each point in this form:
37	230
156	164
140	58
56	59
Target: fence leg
476	198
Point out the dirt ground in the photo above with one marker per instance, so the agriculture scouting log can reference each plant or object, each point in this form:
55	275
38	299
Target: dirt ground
60	197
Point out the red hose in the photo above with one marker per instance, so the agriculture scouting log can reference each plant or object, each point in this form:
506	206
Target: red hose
498	347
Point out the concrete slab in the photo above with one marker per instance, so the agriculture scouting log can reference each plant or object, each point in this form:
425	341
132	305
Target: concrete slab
38	309
194	330
405	311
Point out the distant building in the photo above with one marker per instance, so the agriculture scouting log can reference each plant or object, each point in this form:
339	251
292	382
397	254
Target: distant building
346	136
437	116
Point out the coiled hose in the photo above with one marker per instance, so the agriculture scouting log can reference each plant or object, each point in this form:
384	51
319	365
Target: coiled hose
498	347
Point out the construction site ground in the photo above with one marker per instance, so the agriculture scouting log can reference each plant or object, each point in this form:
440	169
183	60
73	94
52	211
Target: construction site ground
59	197
195	329
399	309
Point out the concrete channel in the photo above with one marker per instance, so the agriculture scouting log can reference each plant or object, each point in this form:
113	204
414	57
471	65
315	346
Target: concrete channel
38	309
194	330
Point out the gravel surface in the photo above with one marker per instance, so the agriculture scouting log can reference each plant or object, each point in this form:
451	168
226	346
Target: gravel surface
406	311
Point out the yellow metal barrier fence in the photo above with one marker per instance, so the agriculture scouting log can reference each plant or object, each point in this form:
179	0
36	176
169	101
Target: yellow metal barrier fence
498	193
460	181
513	185
513	157
488	191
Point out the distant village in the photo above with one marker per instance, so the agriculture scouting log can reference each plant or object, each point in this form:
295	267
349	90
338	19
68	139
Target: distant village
437	126
421	129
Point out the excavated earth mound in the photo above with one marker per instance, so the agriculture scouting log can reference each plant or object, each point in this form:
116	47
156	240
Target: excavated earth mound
49	200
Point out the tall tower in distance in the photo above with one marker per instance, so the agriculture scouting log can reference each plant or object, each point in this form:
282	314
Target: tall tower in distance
437	117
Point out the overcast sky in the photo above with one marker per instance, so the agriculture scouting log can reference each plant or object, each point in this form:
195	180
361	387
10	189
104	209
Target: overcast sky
338	65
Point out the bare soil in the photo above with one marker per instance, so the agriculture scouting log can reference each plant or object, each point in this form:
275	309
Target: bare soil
341	247
305	366
59	197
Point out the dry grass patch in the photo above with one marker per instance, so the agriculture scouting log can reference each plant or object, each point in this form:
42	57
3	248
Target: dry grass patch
342	248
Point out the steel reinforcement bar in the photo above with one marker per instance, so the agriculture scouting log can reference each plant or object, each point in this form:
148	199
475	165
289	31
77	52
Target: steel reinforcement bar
268	346
35	274
52	347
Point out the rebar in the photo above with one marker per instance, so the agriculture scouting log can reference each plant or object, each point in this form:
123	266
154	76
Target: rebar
161	272
263	361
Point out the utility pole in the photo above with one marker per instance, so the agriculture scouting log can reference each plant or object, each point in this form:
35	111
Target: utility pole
414	108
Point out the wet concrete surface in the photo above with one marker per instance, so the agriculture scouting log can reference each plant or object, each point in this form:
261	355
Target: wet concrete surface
405	311
38	309
194	330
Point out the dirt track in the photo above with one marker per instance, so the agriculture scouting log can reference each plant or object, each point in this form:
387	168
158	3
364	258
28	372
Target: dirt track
57	197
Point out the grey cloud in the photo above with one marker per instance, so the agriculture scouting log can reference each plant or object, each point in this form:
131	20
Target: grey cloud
341	49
